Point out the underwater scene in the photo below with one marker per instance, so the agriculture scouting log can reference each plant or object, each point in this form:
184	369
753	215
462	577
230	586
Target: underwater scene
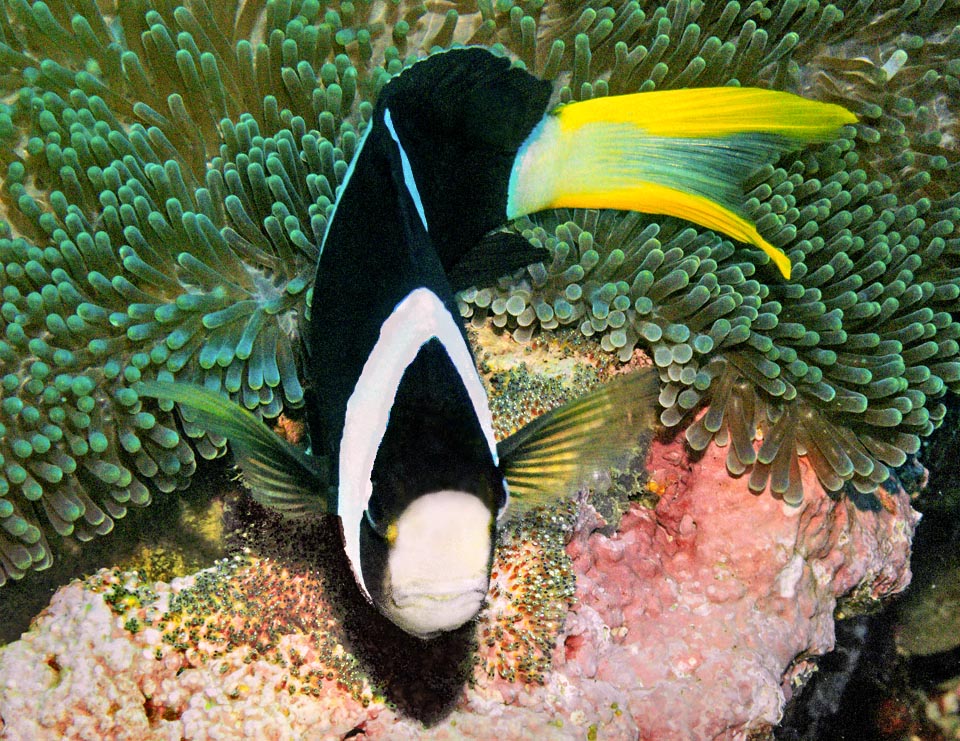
480	370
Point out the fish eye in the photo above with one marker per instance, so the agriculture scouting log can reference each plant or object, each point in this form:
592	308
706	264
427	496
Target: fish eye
389	533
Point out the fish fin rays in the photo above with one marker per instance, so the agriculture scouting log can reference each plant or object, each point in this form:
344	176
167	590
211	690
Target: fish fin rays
681	153
715	112
279	476
496	255
563	450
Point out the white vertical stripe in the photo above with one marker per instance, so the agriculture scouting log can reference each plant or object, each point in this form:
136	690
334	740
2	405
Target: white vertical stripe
417	319
407	170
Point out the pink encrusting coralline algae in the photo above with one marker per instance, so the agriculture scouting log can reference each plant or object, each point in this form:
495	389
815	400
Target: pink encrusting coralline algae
697	618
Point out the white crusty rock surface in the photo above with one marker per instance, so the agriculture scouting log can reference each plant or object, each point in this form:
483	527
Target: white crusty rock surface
689	622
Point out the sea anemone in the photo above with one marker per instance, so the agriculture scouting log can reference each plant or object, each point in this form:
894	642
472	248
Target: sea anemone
135	257
170	170
845	363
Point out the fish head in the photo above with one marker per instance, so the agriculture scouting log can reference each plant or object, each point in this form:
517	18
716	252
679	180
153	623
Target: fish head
428	571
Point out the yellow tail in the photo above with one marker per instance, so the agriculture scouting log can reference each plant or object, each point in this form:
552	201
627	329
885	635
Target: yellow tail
680	153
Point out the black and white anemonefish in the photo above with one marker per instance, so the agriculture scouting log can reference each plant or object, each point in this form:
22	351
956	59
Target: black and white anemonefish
402	439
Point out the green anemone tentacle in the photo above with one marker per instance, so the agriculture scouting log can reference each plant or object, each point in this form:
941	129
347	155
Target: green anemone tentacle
169	169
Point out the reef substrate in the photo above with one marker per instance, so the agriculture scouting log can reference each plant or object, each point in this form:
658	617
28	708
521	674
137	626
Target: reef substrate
698	617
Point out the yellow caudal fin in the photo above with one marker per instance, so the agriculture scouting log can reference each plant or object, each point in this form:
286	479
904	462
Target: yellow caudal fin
681	153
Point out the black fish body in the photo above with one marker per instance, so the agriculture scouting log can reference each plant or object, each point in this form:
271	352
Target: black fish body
424	170
396	400
401	433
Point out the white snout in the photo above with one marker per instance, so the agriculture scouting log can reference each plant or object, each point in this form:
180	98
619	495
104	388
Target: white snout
439	563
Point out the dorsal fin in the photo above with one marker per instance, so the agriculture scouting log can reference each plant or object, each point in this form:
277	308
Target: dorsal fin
469	94
460	117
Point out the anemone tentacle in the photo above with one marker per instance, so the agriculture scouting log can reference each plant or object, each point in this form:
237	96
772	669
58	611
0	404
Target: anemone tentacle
169	170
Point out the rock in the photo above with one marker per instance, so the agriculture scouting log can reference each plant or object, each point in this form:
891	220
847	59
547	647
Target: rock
698	618
707	611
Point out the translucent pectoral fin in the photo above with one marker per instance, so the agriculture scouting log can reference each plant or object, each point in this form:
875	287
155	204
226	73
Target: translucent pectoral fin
566	448
279	476
683	153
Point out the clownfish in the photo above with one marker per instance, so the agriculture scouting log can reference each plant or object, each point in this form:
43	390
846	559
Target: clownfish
402	444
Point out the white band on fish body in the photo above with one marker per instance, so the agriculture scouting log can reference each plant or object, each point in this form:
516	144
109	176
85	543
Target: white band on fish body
417	319
408	178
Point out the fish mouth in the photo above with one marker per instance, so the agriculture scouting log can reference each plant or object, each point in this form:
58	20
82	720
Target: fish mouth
472	591
428	610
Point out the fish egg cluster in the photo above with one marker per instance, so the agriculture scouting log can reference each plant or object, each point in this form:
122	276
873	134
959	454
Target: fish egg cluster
532	587
518	396
245	608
